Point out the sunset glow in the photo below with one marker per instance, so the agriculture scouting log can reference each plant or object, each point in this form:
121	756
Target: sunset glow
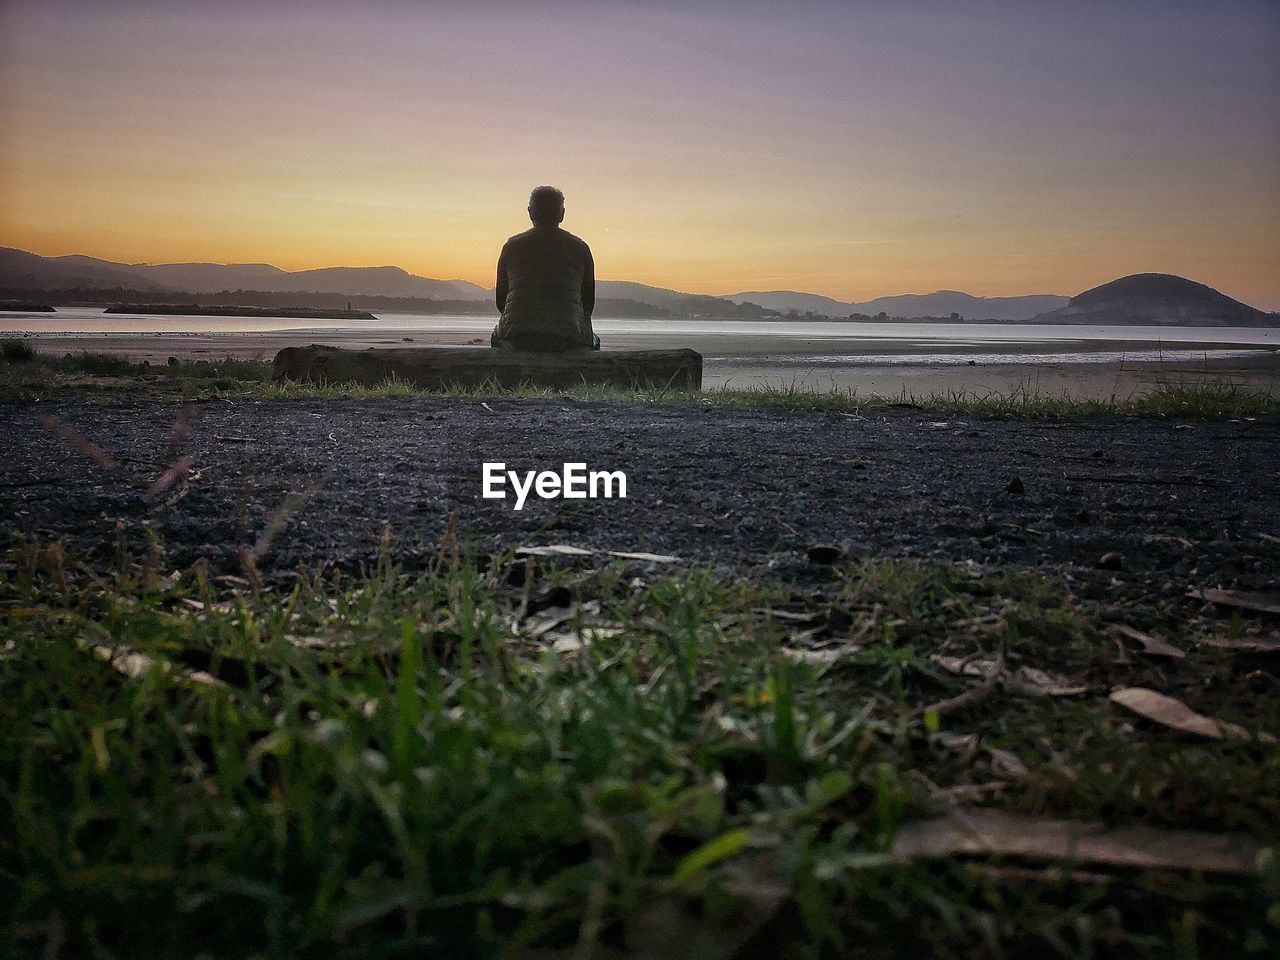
848	150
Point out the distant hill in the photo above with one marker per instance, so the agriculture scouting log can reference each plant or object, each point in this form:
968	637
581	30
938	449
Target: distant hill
373	281
22	270
28	271
1157	298
639	292
941	303
19	269
206	277
783	300
1141	298
380	281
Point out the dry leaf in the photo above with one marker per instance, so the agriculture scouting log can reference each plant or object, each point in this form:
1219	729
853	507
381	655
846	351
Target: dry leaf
566	643
1151	646
790	616
963	666
1027	681
314	642
554	550
220	607
815	658
964	794
1244	644
547	620
1173	713
135	665
127	663
964	744
1034	682
544	624
647	557
594	633
1004	834
1241	599
1006	764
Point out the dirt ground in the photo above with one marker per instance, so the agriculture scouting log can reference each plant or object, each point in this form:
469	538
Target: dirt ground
323	481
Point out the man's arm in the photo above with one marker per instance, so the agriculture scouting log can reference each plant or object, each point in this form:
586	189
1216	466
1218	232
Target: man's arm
500	289
588	283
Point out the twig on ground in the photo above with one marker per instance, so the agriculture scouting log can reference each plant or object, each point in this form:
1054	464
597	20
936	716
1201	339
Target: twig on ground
1145	481
970	697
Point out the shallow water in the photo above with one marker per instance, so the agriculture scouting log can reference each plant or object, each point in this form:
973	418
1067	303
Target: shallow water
885	358
92	320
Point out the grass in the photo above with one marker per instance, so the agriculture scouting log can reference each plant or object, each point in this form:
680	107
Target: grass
495	757
29	372
33	375
1194	400
16	351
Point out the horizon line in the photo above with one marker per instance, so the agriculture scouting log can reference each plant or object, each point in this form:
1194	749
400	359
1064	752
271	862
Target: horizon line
722	296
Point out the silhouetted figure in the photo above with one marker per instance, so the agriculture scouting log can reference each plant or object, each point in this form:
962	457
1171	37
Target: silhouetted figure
546	283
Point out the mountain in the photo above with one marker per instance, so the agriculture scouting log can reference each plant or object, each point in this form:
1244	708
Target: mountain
29	271
941	303
783	300
379	281
1141	298
641	292
373	281
203	277
1157	298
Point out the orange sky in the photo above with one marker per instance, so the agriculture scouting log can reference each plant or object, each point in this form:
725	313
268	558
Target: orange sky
850	151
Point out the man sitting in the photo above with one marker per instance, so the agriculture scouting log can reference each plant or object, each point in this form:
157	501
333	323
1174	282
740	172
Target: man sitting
546	284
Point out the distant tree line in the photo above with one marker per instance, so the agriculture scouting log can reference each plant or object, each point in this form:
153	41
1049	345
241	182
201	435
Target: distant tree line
106	296
718	308
883	317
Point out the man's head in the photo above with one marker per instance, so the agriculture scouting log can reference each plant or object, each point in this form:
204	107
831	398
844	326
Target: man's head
546	205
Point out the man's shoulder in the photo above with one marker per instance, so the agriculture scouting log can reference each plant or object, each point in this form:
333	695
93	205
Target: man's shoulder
559	236
574	241
520	237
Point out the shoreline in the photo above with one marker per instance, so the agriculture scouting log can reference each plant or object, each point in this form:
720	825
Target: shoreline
261	313
1078	368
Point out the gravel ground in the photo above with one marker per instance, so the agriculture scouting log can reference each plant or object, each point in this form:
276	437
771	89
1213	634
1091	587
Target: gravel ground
1178	503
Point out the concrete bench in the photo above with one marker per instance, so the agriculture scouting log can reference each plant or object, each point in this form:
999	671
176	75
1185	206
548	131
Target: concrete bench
438	368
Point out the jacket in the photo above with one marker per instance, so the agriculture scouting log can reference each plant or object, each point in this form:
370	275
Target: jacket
546	288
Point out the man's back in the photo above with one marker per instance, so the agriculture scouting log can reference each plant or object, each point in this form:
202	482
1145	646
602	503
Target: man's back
545	290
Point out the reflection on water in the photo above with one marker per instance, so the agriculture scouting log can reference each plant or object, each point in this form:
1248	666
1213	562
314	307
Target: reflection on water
972	359
870	358
90	320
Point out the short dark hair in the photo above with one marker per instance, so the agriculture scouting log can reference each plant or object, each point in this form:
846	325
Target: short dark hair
545	203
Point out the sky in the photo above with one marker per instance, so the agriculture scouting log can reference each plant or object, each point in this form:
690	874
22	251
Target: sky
853	149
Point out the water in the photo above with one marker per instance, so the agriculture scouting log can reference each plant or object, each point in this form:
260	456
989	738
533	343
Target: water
879	357
948	336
